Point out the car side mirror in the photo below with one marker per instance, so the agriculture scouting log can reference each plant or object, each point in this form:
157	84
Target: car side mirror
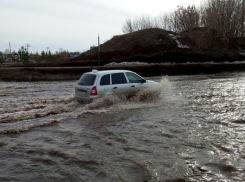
143	81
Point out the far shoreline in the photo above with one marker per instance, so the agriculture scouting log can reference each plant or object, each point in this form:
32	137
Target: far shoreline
148	70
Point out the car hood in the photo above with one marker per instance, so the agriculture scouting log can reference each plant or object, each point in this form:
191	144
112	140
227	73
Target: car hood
150	81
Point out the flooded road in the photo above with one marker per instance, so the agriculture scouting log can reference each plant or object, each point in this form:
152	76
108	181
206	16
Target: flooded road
192	131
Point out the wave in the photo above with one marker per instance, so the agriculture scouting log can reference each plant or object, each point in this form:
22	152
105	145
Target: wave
20	116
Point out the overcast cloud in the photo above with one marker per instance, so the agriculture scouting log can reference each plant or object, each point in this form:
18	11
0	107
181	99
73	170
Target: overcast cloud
71	25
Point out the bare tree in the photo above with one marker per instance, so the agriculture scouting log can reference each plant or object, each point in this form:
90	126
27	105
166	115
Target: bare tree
145	22
128	26
223	16
224	19
186	18
139	23
164	21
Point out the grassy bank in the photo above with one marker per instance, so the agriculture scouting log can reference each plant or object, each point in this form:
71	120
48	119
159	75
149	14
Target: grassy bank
74	73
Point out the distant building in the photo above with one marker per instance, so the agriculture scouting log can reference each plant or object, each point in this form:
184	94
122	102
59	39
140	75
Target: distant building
9	57
64	55
1	56
16	56
74	54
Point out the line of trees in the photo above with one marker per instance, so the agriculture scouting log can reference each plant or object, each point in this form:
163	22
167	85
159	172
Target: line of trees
225	18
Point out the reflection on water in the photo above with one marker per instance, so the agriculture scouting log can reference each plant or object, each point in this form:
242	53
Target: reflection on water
191	128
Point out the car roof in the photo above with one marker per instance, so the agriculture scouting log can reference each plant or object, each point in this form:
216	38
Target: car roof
107	71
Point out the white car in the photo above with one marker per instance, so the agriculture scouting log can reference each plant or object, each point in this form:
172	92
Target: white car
95	84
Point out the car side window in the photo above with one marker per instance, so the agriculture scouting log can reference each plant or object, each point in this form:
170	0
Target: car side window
133	78
118	78
105	80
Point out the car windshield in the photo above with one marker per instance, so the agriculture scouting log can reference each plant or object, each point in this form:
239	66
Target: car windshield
133	78
87	80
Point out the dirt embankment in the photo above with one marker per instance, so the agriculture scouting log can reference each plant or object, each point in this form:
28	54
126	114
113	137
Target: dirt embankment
161	46
74	73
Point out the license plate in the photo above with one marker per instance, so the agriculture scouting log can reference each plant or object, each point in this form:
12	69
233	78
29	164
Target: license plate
82	92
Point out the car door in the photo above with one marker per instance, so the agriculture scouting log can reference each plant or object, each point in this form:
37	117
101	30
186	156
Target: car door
119	83
104	85
136	82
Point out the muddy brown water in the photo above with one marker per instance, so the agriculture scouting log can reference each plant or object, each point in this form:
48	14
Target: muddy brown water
190	128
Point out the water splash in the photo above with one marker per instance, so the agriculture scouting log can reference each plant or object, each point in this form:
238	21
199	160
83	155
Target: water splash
152	93
104	102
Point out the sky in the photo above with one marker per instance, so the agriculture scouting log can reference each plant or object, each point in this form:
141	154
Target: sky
72	25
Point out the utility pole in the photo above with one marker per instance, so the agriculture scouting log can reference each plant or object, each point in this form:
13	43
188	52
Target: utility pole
98	50
243	13
47	49
27	46
9	47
